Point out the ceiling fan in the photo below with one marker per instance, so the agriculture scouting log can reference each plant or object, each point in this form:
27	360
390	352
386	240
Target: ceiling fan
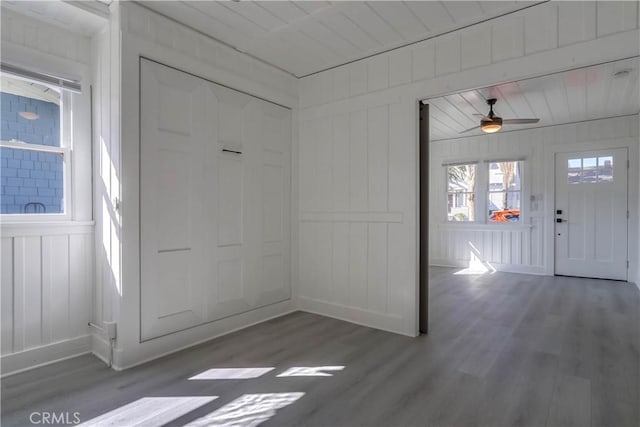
492	123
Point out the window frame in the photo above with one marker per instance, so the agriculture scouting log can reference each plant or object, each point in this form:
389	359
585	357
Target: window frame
65	149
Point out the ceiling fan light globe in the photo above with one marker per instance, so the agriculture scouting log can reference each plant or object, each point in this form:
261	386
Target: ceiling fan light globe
491	128
491	124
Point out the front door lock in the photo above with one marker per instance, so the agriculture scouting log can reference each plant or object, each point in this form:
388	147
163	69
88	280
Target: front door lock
558	220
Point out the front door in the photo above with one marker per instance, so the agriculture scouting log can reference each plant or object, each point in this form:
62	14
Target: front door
591	214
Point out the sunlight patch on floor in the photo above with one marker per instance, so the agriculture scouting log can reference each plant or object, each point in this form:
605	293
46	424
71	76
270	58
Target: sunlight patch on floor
150	411
231	373
476	265
310	371
248	410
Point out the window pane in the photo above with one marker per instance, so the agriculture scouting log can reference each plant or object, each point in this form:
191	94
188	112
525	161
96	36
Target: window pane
32	182
605	169
461	178
30	112
504	191
460	207
589	172
461	183
504	206
574	171
504	176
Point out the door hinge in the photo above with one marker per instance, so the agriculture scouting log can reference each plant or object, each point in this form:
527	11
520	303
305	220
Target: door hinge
627	214
628	163
627	264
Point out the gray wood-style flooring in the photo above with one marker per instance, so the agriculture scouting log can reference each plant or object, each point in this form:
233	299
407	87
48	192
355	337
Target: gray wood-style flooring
503	350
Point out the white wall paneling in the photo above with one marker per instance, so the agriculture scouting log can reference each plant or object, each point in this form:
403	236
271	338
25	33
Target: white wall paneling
58	45
47	277
352	212
68	16
335	223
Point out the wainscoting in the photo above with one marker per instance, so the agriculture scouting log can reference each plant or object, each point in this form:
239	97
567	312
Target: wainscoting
513	248
47	277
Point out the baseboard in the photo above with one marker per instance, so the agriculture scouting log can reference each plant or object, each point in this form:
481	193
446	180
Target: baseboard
119	355
505	268
14	363
372	319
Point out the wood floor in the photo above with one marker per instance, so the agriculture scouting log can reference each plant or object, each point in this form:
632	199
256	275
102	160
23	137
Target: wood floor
503	350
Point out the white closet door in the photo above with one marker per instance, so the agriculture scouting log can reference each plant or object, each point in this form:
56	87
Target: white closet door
174	128
268	130
227	291
215	210
250	257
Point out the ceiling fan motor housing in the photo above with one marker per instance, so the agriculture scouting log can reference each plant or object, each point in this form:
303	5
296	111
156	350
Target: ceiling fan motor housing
491	123
487	121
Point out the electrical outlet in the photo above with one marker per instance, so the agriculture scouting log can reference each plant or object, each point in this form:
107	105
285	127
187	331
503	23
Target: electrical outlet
110	329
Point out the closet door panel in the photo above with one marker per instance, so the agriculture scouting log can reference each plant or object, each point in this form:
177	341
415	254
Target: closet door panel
274	142
227	291
173	133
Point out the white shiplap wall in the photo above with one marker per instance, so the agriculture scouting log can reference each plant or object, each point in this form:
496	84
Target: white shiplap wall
105	62
36	40
357	151
47	268
522	248
46	293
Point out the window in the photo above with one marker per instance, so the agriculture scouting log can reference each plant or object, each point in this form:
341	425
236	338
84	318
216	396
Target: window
461	184
498	198
505	191
590	170
33	154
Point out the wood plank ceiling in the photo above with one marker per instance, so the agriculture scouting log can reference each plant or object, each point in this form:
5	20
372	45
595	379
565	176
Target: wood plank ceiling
304	37
588	93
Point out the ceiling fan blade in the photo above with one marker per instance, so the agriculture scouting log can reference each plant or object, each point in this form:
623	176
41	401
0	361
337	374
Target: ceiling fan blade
478	114
470	129
519	121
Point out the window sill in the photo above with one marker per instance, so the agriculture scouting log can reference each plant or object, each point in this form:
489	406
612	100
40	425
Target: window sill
44	228
481	226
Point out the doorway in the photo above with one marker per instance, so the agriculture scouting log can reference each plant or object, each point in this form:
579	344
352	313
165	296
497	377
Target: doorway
591	214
